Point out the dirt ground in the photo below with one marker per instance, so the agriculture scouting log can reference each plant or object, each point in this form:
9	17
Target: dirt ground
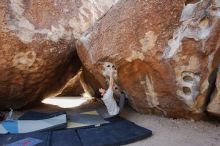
170	132
166	132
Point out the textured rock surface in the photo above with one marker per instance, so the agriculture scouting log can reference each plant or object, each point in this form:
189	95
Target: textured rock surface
72	88
214	105
77	86
164	51
36	51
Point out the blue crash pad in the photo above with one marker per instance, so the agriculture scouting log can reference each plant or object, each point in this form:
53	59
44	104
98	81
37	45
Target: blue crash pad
67	137
32	115
27	139
120	132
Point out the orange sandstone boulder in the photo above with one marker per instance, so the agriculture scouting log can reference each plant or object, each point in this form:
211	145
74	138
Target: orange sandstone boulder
214	105
164	51
37	52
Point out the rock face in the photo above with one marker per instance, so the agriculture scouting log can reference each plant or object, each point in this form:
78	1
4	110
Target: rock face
72	88
37	45
164	52
77	86
214	105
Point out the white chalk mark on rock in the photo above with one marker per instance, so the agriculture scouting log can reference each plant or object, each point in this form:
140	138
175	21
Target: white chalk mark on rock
107	66
135	55
149	40
151	95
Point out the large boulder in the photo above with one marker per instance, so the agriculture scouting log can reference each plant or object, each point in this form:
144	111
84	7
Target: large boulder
164	52
72	88
214	105
37	52
79	86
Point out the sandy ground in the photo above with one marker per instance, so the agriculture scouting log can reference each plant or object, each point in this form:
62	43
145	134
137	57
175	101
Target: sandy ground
166	132
170	132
